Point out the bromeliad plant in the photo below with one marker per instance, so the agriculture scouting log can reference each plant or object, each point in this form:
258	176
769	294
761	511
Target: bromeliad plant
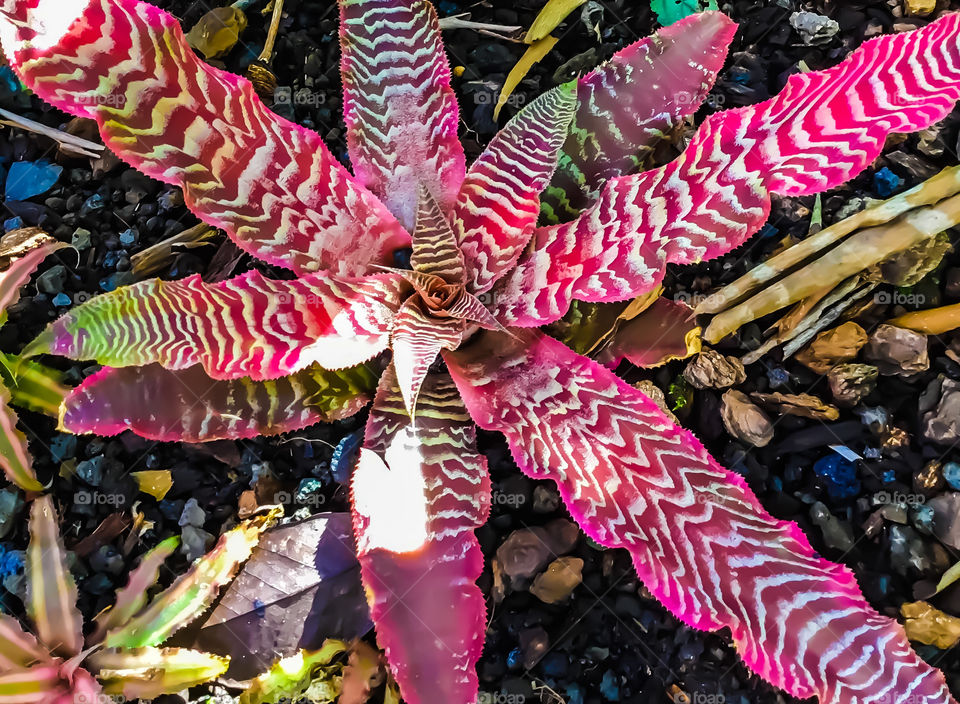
484	277
55	664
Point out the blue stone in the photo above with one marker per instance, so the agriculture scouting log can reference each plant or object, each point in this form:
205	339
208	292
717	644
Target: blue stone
63	447
308	492
108	284
92	204
31	178
840	476
259	607
62	299
777	483
778	376
951	472
345	457
11	562
923	516
110	260
609	687
889	476
515	658
14	223
128	237
885	182
768	230
574	694
9	80
91	471
554	664
448	8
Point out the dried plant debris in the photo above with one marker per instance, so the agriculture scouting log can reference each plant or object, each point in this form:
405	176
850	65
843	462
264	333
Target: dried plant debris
897	351
941	425
832	347
744	420
926	624
712	370
803	405
851	383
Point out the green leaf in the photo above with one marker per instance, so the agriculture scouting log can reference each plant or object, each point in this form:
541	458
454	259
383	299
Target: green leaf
147	673
32	385
290	677
670	11
552	14
15	459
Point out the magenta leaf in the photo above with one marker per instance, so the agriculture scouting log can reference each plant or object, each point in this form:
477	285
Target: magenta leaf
401	113
247	326
631	102
418	494
271	184
189	406
700	540
499	202
822	129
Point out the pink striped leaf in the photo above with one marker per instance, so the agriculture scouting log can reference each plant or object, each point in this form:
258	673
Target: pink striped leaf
822	129
499	202
247	326
270	183
435	249
700	540
628	105
18	649
40	684
418	494
51	590
26	248
189	406
400	111
15	459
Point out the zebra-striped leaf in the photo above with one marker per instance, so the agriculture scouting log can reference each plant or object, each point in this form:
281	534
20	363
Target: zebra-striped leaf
247	326
821	130
700	540
146	673
270	183
189	406
15	459
418	494
400	111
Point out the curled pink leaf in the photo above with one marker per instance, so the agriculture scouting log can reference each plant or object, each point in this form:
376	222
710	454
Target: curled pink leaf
822	129
400	111
270	183
700	540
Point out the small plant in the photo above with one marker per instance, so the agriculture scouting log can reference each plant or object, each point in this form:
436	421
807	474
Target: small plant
484	277
121	656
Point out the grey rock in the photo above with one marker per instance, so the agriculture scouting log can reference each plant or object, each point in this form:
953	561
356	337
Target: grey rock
813	28
11	504
942	424
946	518
192	515
51	281
196	542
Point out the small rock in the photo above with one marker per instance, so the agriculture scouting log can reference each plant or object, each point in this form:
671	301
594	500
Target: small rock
946	518
744	420
929	480
91	471
10	505
561	577
926	624
802	405
62	300
27	179
897	351
839	475
192	514
922	518
908	551
196	542
851	383
919	8
837	534
63	446
80	240
524	553
655	394
128	237
813	28
51	281
942	424
712	370
831	347
546	498
885	182
534	643
951	473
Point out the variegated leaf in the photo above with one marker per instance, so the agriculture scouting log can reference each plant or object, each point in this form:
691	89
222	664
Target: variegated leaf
821	130
400	111
435	250
290	677
270	183
41	684
248	326
189	406
192	593
32	385
133	597
416	340
146	673
700	540
18	649
418	493
628	105
21	252
51	591
15	459
499	202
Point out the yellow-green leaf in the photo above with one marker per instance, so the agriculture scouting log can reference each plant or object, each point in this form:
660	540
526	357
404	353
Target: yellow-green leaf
15	459
190	595
147	673
32	385
534	53
948	578
552	14
156	482
37	685
290	677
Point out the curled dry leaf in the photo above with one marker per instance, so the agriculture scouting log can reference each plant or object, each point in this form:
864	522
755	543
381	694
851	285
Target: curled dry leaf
851	383
744	420
897	351
831	347
928	625
712	370
942	424
665	330
561	577
655	394
934	321
802	405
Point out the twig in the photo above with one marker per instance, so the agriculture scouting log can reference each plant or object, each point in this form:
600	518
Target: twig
69	142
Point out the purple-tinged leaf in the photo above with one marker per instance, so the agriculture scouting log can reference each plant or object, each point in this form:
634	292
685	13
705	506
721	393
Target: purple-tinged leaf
248	326
416	340
435	250
629	104
192	593
133	597
51	591
499	202
41	684
18	649
15	458
665	331
418	494
300	586
400	111
700	540
146	673
189	406
21	252
270	183
821	130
